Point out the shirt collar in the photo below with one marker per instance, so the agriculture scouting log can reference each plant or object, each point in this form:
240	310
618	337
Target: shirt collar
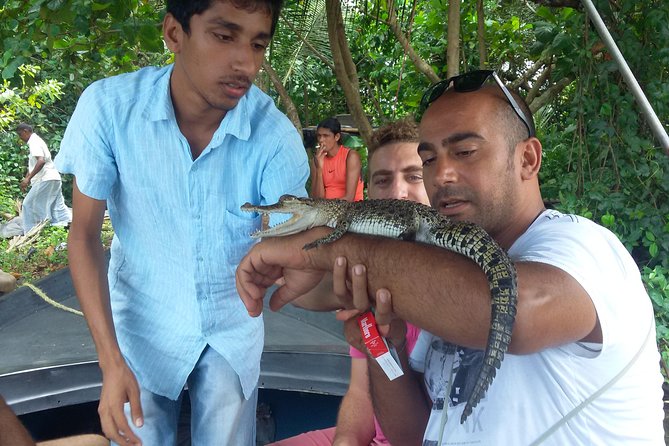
236	122
159	103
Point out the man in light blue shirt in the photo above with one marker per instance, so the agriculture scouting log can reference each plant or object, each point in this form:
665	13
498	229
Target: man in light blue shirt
173	153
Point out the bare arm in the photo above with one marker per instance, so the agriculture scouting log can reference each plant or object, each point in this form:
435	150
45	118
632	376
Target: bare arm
89	275
353	166
320	298
355	421
392	400
332	293
317	185
400	405
38	167
442	292
12	432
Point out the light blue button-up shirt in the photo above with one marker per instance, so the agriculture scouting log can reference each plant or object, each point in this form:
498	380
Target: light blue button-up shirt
179	232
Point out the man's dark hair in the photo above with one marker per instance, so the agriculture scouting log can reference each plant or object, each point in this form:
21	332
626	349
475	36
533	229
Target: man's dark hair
23	126
516	129
404	130
183	10
331	124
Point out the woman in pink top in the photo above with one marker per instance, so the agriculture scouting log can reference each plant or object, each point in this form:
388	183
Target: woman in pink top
395	171
335	171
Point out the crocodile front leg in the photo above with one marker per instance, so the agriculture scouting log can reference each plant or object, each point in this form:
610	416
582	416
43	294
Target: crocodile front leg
340	229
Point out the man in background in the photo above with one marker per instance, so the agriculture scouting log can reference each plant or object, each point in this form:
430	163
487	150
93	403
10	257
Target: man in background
45	197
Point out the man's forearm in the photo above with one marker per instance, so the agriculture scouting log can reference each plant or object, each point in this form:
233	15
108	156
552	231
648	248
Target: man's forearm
437	290
317	186
433	288
400	405
355	421
38	167
321	298
89	275
449	295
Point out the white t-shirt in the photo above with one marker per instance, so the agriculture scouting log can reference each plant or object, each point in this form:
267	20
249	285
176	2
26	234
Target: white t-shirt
533	392
38	148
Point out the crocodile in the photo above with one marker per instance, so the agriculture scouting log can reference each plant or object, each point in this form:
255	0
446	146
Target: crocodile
411	221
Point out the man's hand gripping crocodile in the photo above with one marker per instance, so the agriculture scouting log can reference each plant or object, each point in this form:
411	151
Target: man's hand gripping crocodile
407	220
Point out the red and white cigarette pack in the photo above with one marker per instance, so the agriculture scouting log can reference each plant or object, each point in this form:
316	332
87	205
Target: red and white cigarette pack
378	347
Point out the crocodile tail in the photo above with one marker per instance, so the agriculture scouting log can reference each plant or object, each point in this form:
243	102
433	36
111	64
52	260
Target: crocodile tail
501	275
473	242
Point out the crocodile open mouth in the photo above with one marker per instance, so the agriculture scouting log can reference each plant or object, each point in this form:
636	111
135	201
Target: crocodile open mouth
288	227
296	223
303	215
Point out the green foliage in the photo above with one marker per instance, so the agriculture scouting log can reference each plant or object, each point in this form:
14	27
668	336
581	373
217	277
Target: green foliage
604	162
657	284
35	260
13	165
47	254
600	158
114	34
26	101
7	203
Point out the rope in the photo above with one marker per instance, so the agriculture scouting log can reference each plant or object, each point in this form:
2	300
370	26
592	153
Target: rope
50	301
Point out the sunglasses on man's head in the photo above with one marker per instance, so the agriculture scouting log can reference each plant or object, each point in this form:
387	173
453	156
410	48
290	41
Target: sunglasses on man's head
467	82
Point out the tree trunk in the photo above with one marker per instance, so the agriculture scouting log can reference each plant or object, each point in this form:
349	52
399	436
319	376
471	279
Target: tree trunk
480	18
420	64
345	70
453	36
291	110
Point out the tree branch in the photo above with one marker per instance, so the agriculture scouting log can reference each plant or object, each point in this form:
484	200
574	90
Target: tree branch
576	4
418	62
534	91
308	44
345	69
291	110
528	74
453	39
480	33
549	94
